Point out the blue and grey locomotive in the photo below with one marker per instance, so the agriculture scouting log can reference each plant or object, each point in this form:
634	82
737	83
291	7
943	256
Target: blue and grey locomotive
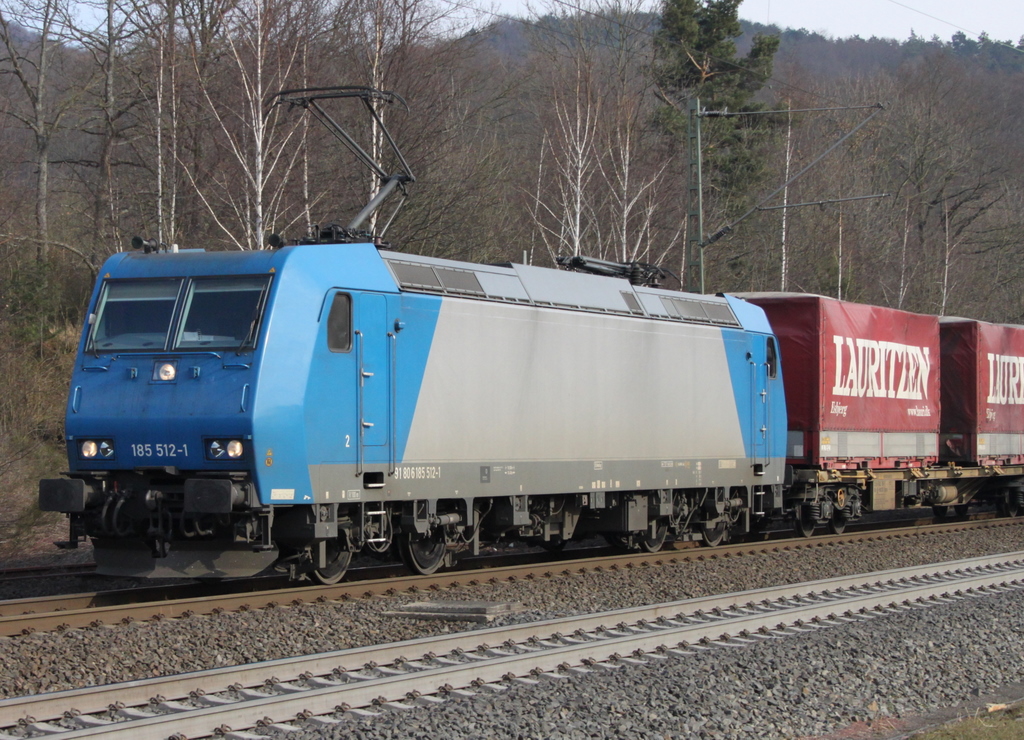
297	405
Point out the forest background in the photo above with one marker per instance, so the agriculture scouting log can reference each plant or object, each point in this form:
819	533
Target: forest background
563	134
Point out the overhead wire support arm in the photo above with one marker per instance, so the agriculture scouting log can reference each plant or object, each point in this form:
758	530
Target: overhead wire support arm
729	114
725	230
824	202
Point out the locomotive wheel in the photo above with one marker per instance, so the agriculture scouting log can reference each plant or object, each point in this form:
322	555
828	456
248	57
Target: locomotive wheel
759	529
620	541
655	543
423	554
712	536
337	566
554	545
804	527
836	525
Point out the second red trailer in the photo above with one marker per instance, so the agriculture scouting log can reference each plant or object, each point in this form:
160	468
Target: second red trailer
982	393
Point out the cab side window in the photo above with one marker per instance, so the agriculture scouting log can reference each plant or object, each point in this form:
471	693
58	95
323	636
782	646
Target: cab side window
772	358
339	323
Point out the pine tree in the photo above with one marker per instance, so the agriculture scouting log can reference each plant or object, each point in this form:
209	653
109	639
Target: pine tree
696	57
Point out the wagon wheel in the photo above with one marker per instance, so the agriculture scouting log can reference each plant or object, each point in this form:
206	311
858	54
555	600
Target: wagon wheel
713	535
803	526
653	544
836	525
962	509
423	553
338	559
940	511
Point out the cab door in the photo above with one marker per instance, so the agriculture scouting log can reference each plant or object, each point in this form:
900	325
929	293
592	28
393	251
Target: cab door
350	402
764	363
372	344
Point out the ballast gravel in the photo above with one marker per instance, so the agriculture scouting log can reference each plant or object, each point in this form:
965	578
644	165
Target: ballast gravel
885	667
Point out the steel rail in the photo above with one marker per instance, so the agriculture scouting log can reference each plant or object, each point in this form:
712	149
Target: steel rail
36	571
265	584
531	648
67	612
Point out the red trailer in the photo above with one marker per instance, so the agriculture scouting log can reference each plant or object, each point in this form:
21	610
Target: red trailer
982	419
862	382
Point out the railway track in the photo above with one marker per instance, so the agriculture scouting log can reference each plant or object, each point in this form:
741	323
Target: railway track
24	616
320	689
33	572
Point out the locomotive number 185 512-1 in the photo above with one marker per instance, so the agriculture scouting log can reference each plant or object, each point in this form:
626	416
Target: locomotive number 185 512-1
418	472
160	450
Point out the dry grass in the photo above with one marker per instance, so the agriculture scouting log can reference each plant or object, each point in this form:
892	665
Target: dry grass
984	725
36	370
27	534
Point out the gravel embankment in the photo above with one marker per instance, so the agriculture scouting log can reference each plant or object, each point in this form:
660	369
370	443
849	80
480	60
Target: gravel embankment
55	661
891	667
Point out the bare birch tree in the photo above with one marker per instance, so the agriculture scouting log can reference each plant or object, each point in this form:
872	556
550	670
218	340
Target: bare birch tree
159	87
569	117
106	42
632	180
261	42
33	36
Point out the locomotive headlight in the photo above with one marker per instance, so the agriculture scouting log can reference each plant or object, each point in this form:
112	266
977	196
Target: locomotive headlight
165	371
90	448
223	449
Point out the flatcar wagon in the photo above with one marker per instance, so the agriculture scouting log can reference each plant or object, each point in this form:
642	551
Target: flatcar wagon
891	409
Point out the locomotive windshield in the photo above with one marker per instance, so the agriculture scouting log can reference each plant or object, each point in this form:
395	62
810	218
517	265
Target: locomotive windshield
221	313
135	315
215	313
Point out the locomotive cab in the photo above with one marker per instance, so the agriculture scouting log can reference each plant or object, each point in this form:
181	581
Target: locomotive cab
159	445
186	438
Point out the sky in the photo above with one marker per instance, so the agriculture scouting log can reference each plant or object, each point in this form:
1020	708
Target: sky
1002	19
